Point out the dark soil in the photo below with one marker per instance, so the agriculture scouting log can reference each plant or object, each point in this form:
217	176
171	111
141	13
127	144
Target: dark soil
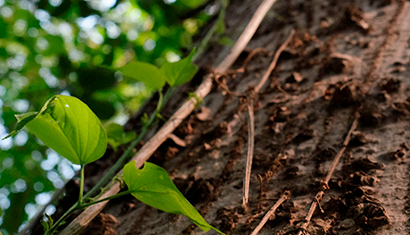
347	57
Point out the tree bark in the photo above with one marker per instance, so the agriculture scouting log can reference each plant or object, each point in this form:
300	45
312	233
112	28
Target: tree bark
347	58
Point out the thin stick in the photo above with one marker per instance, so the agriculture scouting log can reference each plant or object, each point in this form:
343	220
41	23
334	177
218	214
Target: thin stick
285	196
79	223
251	132
274	61
249	156
248	58
246	36
261	188
105	199
325	182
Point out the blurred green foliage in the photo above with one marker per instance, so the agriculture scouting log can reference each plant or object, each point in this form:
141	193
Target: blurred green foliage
50	47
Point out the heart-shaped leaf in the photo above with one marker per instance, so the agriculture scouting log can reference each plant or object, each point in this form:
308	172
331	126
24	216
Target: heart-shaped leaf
152	186
180	72
144	72
68	126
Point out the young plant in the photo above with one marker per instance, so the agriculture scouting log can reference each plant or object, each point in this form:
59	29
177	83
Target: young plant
68	126
174	74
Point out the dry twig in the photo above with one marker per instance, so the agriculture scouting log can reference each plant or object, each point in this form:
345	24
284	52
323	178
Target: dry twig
251	132
285	196
248	58
325	182
81	222
274	61
249	157
261	188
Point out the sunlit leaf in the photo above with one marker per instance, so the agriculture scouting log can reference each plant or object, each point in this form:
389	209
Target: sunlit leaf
68	126
180	72
152	186
144	72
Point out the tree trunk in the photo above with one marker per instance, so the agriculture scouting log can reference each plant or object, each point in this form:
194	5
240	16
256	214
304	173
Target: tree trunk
347	58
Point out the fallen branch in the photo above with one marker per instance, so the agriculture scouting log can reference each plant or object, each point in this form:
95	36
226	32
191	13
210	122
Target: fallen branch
251	132
81	222
285	196
325	182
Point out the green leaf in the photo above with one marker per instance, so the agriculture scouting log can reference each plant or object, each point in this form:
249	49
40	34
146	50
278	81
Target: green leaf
116	135
180	72
152	186
68	126
225	41
114	131
144	72
220	26
22	120
45	226
50	220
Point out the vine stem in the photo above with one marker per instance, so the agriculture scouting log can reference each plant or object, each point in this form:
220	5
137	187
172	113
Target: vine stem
105	199
81	206
211	32
74	207
61	219
80	197
159	101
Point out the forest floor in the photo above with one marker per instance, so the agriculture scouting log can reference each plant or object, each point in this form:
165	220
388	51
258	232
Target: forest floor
346	58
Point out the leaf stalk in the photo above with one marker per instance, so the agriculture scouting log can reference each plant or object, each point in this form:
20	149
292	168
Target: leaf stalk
80	197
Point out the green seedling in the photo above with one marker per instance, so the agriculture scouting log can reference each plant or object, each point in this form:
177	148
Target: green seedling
68	126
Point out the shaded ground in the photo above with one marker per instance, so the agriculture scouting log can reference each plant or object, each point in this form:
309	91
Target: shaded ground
347	56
